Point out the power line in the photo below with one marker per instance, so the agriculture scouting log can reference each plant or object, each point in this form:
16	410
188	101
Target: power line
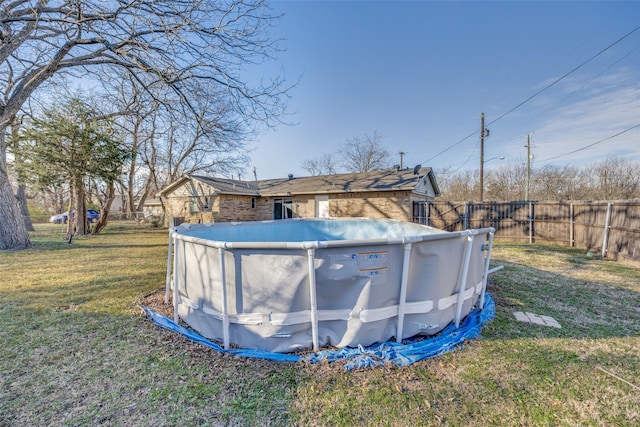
567	96
559	79
565	75
591	145
473	152
450	147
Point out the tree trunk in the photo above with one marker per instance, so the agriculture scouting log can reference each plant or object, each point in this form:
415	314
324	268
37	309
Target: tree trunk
71	230
104	209
145	193
130	203
80	217
21	196
13	233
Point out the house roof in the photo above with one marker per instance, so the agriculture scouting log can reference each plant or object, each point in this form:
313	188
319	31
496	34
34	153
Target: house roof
222	185
152	201
380	180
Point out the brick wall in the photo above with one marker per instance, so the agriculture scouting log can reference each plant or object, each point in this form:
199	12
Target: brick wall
226	208
236	208
396	205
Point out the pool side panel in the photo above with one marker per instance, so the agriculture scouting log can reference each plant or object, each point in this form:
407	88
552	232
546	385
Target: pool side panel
357	292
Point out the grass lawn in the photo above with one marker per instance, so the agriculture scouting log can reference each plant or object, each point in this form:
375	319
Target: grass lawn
75	349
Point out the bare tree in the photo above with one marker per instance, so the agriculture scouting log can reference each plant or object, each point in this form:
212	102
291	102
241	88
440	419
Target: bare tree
359	154
365	153
506	182
133	109
558	183
191	46
325	164
614	178
457	185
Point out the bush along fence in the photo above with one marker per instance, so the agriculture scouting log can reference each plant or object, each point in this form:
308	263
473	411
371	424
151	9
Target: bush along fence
610	229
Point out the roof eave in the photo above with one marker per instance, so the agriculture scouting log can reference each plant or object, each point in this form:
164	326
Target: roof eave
338	191
173	186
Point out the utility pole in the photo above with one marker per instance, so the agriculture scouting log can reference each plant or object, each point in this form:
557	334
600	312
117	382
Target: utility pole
528	184
483	134
402	153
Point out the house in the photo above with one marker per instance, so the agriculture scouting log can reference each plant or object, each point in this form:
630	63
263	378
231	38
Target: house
152	208
390	193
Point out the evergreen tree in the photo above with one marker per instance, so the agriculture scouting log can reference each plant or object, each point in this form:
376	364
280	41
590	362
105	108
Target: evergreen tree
71	144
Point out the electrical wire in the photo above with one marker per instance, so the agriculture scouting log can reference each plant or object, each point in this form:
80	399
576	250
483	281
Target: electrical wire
590	145
466	161
559	79
450	147
584	86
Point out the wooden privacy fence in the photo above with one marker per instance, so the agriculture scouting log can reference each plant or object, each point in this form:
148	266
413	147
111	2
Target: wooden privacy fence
611	229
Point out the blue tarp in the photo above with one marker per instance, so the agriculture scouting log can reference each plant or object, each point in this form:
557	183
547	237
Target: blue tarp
400	354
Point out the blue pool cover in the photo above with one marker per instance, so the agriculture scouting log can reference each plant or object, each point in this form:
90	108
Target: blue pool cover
401	354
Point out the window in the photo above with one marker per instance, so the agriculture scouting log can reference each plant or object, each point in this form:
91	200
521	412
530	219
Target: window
420	213
282	208
253	203
194	206
197	204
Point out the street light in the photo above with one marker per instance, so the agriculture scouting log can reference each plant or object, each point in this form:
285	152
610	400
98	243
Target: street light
494	158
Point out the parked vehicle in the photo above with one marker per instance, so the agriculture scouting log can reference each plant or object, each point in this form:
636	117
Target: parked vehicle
92	216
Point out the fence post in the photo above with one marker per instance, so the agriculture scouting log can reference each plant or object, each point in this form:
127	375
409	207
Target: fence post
571	223
530	222
466	215
605	237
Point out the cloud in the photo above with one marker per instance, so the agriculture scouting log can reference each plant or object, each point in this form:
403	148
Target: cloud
603	113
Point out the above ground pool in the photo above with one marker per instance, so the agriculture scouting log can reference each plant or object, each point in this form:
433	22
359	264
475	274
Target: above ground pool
300	284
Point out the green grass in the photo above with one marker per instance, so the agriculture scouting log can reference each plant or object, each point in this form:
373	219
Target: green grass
76	350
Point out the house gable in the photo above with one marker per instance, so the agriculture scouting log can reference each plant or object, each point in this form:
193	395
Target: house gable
427	185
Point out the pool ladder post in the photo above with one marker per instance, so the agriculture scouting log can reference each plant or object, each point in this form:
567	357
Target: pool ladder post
313	298
225	311
176	276
169	278
403	291
463	279
485	274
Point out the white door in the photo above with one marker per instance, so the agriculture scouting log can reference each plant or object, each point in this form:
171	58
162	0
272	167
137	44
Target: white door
322	206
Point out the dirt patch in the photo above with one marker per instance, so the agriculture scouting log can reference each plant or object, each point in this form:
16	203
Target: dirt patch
155	302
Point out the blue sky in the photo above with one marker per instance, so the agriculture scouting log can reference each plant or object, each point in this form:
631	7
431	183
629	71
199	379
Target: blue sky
421	73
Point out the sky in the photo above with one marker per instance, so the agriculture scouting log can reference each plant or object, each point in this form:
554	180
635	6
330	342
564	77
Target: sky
421	73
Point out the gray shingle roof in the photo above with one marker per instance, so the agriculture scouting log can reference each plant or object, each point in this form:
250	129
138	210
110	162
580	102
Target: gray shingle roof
229	186
380	180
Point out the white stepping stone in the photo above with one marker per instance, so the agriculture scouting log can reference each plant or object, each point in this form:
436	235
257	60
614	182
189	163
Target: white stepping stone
536	319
